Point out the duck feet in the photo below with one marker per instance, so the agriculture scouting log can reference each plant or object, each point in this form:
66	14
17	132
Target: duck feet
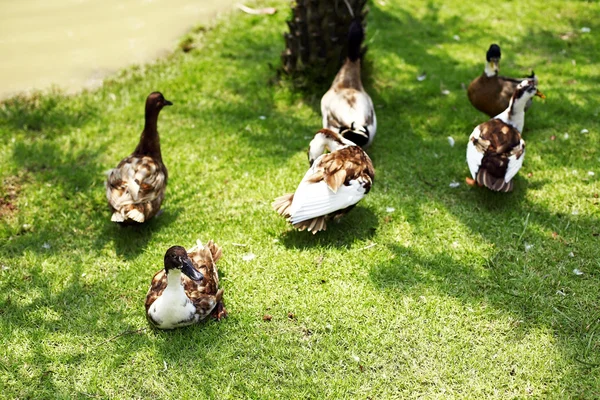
470	181
219	311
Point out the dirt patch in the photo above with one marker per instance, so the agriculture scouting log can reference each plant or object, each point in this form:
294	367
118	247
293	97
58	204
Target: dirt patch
9	192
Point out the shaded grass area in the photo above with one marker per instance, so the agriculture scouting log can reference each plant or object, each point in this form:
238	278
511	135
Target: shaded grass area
456	293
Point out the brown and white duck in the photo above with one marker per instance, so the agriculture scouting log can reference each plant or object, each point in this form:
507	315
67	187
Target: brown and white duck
496	150
491	93
187	290
333	185
346	107
135	189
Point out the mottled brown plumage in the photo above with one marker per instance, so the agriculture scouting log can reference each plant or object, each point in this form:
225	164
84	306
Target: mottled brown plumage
205	295
135	189
498	141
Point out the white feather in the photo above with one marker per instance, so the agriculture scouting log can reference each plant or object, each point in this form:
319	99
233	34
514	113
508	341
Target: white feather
514	164
474	156
316	199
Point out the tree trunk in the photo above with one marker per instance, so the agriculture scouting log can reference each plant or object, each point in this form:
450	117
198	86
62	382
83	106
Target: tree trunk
316	44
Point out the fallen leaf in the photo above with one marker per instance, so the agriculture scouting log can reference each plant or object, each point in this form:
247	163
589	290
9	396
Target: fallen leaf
267	317
291	315
530	174
553	137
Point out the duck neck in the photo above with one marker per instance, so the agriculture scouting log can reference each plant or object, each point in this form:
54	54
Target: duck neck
490	69
349	75
174	280
515	114
149	144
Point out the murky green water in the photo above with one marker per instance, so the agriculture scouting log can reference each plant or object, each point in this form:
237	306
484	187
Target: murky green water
76	43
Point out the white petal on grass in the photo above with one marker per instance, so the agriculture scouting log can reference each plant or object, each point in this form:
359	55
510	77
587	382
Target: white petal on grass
575	212
454	184
275	240
445	92
585	29
584	131
422	77
356	358
456	37
390	209
571	254
248	257
262	117
46	246
578	272
591	173
451	141
561	293
528	246
566	135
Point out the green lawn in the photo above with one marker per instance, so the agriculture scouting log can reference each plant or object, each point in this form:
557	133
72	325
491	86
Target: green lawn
457	293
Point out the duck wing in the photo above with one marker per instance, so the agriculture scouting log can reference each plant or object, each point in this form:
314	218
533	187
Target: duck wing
136	180
336	181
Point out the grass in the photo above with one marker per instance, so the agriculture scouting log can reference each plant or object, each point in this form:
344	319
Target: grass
458	293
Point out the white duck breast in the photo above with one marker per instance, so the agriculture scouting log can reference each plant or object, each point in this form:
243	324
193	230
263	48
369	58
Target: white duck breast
173	309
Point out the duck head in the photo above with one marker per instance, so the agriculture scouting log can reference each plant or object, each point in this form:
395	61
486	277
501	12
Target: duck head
493	59
325	139
524	91
155	102
176	258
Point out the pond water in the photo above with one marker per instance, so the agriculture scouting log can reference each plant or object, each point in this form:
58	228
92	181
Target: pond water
74	44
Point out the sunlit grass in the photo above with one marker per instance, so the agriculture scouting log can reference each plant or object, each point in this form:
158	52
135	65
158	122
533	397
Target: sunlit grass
455	293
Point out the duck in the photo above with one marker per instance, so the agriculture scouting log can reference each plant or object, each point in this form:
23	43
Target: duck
496	150
346	107
491	93
135	189
186	291
334	183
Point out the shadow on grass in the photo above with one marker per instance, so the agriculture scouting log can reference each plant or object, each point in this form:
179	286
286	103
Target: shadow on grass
131	240
360	224
44	112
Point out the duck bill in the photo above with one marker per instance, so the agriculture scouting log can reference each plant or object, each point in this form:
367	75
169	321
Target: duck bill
540	94
167	103
191	272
